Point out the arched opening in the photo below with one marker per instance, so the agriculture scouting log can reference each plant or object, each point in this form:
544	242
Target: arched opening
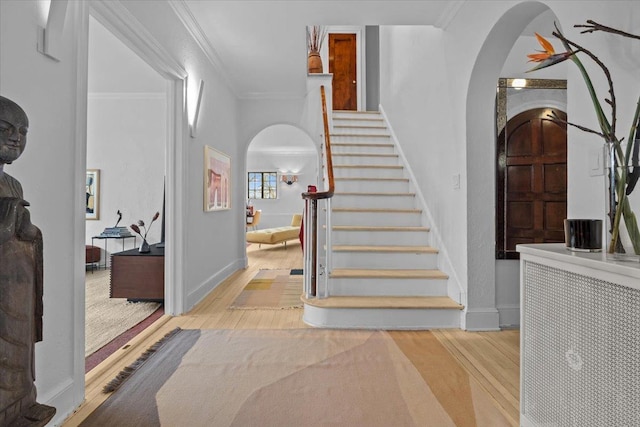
282	161
508	43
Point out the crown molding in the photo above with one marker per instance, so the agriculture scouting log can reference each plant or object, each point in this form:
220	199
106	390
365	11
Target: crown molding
117	19
183	12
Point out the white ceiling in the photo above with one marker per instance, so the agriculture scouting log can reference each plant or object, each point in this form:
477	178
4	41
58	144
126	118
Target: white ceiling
260	45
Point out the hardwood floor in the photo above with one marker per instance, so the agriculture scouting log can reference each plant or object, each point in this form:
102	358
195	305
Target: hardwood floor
491	357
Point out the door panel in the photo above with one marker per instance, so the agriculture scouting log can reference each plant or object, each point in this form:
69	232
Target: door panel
342	63
532	181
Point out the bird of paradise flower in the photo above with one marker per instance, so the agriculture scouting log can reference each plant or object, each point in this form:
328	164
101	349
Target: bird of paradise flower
622	180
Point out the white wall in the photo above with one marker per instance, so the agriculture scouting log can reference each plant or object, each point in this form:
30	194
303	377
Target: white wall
126	137
52	171
415	96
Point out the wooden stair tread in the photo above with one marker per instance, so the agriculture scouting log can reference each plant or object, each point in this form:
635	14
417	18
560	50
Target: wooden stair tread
361	135
377	228
356	112
368	166
363	155
385	248
383	302
357	193
371	273
360	144
358	127
377	210
372	119
370	179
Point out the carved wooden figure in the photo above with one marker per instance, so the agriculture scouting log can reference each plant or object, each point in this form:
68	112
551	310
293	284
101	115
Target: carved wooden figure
20	284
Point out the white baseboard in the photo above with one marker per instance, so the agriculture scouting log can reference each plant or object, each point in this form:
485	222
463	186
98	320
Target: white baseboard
212	282
480	319
509	316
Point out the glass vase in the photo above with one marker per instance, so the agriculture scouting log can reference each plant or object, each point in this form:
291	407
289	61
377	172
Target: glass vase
144	247
623	237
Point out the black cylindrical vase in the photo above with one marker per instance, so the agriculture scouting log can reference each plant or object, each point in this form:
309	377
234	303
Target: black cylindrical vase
583	234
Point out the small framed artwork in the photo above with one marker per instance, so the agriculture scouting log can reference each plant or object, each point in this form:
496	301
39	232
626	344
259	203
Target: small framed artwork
217	180
93	194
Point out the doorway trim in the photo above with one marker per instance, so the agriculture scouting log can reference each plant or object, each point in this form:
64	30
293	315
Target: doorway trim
119	21
360	57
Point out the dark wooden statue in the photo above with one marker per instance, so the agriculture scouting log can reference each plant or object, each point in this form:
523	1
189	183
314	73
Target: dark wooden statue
20	284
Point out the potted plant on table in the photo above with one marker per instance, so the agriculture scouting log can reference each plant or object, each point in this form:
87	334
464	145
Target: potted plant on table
623	157
315	37
139	228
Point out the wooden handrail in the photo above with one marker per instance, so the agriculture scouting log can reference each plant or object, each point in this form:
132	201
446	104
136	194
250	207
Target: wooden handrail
327	141
311	210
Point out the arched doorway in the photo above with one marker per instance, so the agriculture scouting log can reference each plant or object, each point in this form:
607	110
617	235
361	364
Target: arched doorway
484	299
282	160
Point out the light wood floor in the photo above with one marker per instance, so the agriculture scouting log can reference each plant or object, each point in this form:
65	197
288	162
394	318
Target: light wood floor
490	357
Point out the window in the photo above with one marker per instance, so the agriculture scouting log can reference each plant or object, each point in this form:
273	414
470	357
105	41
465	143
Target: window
263	185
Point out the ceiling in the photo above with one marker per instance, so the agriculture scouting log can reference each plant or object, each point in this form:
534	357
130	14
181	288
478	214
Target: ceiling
259	45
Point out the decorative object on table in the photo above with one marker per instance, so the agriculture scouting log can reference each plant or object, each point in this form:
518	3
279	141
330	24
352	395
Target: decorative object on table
622	159
315	37
144	246
583	235
92	205
217	180
116	231
21	286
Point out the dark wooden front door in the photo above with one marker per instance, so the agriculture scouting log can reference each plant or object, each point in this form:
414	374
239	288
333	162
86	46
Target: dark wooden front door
531	200
342	63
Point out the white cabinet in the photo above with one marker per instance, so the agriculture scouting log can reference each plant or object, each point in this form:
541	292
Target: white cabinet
580	339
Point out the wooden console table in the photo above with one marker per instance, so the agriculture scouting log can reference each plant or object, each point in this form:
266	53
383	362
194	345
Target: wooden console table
138	276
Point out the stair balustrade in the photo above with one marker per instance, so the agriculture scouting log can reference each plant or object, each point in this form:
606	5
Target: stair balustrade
311	198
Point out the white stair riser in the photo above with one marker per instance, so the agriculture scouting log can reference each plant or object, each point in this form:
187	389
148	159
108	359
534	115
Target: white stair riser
364	160
360	130
362	139
388	287
378	202
364	186
373	238
371	126
386	260
368	172
362	149
389	318
337	115
375	218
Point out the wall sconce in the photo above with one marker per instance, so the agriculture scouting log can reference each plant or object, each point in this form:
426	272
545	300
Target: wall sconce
49	36
289	179
194	99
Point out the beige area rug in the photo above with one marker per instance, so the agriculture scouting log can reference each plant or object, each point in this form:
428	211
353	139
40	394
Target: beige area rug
300	377
271	289
105	317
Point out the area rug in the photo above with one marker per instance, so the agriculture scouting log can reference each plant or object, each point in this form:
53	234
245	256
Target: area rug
106	318
300	377
270	289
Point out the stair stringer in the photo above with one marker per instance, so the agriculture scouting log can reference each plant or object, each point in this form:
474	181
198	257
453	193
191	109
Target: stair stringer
455	290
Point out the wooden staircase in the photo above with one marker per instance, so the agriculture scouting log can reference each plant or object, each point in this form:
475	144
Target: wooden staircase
384	273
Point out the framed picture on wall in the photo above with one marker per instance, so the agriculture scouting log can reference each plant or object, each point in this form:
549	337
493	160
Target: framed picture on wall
217	180
93	194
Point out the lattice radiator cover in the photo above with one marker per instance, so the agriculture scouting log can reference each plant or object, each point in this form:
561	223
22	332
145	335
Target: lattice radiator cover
580	350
